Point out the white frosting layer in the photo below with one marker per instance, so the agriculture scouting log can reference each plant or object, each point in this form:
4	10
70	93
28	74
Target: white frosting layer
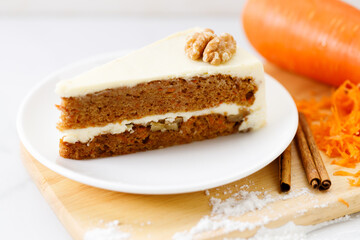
257	117
87	134
161	60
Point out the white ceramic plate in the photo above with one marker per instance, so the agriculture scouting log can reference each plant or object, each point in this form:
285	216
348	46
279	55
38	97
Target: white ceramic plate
179	169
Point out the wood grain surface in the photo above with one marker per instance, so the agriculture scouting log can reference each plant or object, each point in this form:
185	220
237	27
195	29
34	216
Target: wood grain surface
81	208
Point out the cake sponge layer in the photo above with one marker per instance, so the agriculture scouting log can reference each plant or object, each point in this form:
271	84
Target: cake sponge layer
155	98
143	138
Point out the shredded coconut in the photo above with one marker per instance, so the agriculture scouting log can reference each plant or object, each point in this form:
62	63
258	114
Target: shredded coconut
110	232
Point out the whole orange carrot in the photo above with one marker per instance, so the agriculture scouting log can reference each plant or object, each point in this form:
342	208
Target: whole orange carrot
316	38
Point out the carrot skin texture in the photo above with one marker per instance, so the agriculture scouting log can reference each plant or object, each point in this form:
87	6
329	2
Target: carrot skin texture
316	38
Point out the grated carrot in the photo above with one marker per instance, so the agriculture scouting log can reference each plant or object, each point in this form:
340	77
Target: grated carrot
335	122
354	183
344	202
344	173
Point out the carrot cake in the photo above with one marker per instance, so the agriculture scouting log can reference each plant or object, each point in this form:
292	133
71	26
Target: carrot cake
190	86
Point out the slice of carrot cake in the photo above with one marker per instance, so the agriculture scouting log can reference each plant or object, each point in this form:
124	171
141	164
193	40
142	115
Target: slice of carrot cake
190	86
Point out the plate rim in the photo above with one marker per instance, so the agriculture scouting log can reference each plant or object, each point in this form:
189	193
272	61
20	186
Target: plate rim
121	186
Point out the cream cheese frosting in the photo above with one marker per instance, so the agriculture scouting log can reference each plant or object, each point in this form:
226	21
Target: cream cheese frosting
164	59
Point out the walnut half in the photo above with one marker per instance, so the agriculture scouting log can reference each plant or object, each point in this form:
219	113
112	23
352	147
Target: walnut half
220	49
197	42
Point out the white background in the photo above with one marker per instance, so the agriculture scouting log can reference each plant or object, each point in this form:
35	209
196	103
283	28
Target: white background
216	8
41	36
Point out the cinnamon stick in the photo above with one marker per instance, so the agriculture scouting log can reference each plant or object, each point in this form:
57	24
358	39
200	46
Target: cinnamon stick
312	174
285	169
325	181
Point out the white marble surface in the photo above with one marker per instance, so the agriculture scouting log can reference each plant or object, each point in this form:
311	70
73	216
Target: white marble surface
31	48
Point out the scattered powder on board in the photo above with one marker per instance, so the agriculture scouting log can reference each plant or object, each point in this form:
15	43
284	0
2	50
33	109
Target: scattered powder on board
290	231
238	204
243	201
110	232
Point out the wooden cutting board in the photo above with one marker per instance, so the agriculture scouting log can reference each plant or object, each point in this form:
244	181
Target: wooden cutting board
81	208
